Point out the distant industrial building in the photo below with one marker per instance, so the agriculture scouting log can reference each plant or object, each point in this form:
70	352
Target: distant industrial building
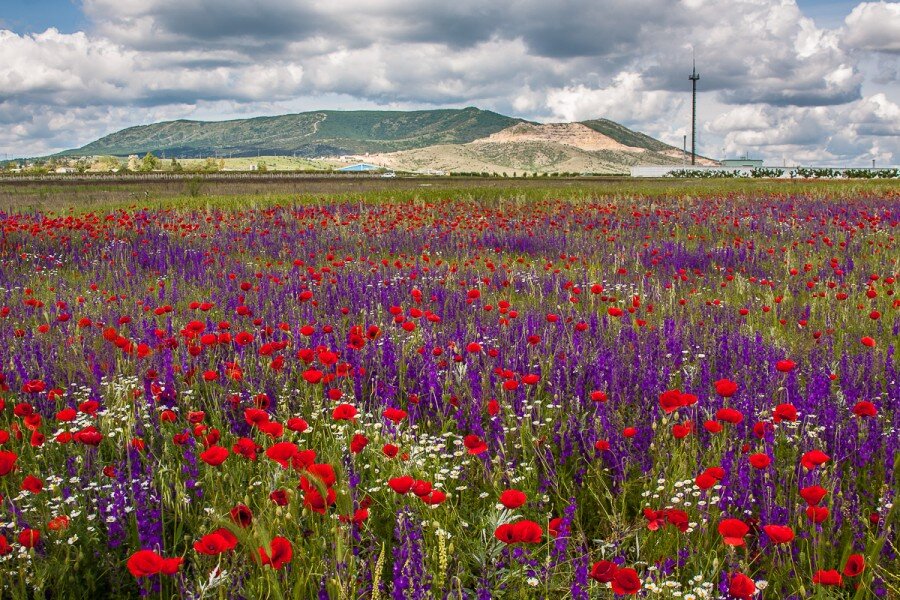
742	162
359	168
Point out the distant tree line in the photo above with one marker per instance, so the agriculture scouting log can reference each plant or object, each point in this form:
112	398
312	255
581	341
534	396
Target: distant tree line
799	172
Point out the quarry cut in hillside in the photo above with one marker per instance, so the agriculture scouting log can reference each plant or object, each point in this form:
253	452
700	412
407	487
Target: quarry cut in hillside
568	134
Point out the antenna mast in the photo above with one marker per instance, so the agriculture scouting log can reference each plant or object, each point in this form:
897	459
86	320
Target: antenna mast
694	77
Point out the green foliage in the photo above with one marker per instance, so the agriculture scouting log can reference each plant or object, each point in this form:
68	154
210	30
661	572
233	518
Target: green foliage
149	163
194	187
777	172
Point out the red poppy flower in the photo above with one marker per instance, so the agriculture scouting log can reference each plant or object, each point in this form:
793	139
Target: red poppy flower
603	571
297	424
401	485
324	472
170	565
358	443
394	415
712	426
677	518
829	577
34	386
813	459
670	401
729	415
527	532
784	412
785	366
344	412
474	444
314	500
817	514
813	494
855	565
89	407
626	582
313	376
281	551
66	415
705	481
868	342
282	453
29	538
255	416
214	455
733	531
241	515
779	534
434	497
279	497
512	499
144	563
505	533
760	461
726	388
682	430
245	447
421	487
7	462
655	518
216	543
531	379
553	527
741	586
864	408
303	459
390	450
32	484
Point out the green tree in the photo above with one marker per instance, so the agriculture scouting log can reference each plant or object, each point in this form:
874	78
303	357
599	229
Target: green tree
149	163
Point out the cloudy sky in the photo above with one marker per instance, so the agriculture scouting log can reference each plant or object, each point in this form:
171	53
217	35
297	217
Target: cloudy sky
802	81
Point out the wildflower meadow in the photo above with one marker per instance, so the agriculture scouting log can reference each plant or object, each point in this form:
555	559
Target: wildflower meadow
671	396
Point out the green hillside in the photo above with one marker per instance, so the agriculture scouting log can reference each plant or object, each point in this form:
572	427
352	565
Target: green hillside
626	136
318	133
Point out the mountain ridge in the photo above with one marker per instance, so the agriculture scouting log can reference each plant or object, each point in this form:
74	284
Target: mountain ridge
444	139
308	134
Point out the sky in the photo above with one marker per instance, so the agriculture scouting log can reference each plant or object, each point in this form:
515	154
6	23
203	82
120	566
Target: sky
789	81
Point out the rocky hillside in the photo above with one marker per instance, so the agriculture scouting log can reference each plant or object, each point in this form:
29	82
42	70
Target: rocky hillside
589	147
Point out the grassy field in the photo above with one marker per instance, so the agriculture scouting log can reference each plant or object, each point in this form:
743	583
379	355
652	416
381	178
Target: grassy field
199	193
